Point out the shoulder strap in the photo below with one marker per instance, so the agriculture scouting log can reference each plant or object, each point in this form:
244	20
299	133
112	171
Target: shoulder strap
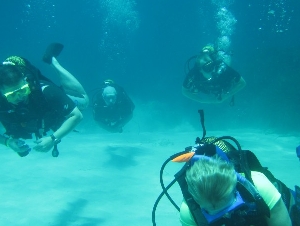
295	211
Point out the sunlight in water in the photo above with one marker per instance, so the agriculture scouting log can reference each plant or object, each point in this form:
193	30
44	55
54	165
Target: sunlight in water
120	13
120	21
35	12
225	25
279	14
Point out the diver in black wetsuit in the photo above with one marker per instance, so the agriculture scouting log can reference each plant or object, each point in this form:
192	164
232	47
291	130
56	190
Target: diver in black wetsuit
112	107
211	80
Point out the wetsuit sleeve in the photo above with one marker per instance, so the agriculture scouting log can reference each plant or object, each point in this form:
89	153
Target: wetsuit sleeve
58	100
186	217
266	189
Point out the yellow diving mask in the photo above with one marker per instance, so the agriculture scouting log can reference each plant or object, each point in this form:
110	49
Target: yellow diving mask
22	91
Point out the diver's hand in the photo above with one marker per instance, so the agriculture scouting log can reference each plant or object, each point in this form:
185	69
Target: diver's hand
18	146
44	144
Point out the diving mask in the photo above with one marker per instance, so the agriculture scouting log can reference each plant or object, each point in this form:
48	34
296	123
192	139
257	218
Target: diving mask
238	202
22	91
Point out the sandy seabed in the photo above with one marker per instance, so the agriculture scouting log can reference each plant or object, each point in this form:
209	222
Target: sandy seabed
113	179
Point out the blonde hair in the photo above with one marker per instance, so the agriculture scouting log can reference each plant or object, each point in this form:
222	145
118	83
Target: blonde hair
211	179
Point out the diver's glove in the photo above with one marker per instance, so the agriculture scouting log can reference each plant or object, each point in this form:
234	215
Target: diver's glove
18	146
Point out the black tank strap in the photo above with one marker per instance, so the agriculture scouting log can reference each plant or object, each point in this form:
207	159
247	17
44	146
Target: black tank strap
295	211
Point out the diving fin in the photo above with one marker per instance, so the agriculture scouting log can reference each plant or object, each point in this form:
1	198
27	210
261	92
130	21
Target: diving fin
53	50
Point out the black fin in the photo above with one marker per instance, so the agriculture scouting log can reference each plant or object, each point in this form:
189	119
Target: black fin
53	50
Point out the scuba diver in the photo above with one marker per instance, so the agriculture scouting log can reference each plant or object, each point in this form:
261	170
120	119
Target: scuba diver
211	80
32	104
112	107
224	185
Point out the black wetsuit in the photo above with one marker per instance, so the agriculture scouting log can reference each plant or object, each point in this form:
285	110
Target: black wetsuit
41	113
113	118
223	77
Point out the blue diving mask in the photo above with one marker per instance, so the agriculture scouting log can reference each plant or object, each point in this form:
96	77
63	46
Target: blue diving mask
235	205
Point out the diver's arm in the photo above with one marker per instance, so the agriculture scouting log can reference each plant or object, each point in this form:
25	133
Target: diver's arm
69	124
279	215
16	145
46	143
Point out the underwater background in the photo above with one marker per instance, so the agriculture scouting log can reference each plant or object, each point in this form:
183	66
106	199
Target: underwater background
103	178
143	46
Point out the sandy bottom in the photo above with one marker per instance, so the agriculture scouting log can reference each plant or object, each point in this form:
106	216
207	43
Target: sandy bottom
113	179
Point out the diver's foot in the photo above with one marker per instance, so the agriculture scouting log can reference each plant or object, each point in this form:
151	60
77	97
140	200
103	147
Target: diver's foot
53	50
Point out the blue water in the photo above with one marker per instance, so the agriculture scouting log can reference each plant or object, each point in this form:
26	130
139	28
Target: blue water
143	45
